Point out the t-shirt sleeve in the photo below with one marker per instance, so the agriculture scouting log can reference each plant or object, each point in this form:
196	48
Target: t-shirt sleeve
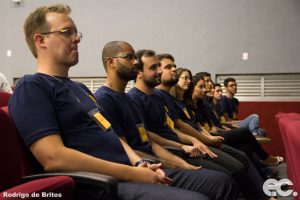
32	110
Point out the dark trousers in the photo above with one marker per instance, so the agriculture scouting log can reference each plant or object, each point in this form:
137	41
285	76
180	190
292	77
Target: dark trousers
243	139
200	184
236	164
224	163
252	182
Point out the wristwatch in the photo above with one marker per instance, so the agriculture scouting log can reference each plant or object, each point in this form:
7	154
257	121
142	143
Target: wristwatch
143	160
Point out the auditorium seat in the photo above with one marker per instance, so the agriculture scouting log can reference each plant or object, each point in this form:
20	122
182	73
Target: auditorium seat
57	187
4	98
18	165
289	126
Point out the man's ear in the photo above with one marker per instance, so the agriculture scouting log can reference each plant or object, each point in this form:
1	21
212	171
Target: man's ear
139	74
110	62
39	40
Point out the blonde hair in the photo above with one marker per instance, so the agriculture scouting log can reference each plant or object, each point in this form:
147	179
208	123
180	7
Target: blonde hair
36	23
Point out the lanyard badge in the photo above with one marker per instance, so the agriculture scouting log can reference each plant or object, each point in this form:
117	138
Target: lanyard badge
234	116
142	132
223	119
170	122
99	119
206	126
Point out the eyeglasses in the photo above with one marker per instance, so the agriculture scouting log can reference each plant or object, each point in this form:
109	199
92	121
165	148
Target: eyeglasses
130	57
67	32
185	78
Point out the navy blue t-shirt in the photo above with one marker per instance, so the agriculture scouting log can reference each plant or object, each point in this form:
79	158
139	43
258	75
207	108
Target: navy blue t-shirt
43	105
176	110
201	114
153	112
218	110
124	117
230	106
212	113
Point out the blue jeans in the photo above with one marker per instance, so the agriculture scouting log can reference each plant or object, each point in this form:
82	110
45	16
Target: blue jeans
251	122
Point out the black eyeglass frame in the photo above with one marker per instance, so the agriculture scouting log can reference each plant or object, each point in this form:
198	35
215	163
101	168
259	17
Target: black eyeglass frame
129	56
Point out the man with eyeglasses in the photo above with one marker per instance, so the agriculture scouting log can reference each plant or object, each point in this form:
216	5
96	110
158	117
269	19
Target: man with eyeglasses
128	122
230	106
60	121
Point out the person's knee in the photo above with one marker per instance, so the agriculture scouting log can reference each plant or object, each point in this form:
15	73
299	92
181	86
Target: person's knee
254	117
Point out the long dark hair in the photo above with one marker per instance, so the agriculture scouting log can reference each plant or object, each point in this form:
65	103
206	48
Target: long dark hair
175	89
194	82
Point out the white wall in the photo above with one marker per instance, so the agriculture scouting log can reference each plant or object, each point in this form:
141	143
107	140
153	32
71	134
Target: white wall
203	35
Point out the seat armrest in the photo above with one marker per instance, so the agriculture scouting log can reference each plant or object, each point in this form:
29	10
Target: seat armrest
177	151
88	185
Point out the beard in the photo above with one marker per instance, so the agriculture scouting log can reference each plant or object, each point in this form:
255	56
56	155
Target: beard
173	81
152	82
125	73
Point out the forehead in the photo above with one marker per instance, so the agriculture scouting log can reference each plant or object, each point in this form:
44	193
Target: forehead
149	60
185	73
207	78
231	82
59	21
165	62
217	88
125	48
200	82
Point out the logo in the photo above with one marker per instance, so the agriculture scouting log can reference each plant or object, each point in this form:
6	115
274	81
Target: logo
272	187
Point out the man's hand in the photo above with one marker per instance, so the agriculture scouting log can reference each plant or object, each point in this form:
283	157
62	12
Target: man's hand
192	151
204	149
213	129
159	177
216	141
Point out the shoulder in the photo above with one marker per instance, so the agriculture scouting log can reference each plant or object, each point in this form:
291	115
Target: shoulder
136	93
235	100
34	81
104	92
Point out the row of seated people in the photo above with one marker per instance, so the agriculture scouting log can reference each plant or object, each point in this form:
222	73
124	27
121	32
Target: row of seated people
67	128
204	107
224	109
227	106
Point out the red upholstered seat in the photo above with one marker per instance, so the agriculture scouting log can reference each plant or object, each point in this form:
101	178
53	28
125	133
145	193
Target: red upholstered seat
289	125
4	98
17	161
